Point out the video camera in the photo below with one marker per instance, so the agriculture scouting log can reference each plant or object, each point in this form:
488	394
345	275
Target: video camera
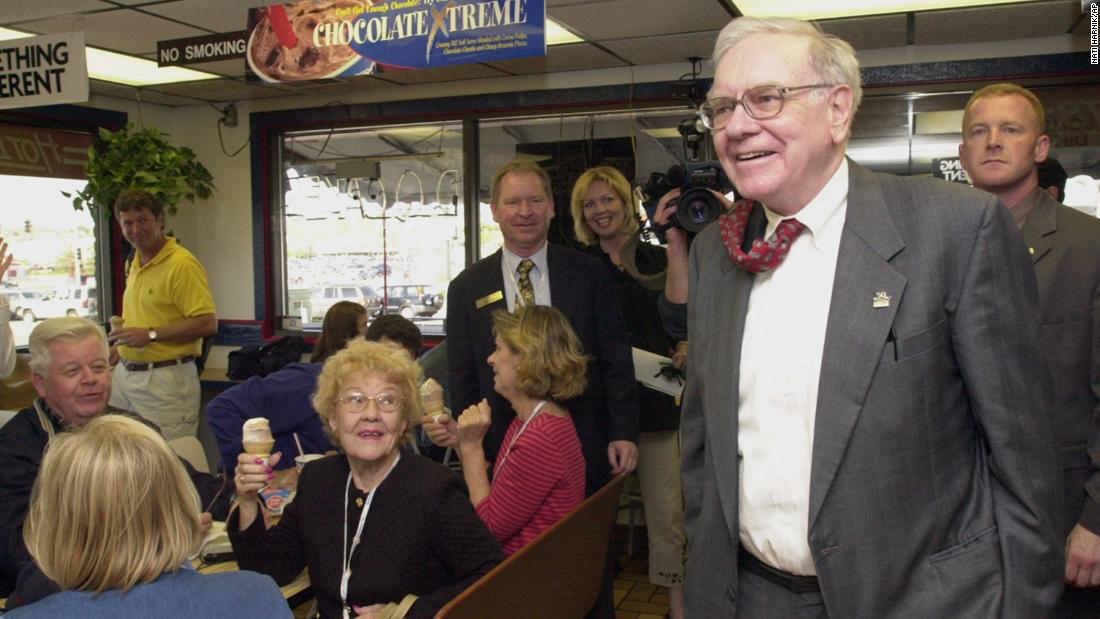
696	207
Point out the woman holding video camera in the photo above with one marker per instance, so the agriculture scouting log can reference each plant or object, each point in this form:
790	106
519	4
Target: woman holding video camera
606	220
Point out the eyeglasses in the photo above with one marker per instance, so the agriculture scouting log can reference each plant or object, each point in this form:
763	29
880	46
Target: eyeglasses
761	103
357	403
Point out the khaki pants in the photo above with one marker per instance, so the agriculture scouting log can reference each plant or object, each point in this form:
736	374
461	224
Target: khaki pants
169	397
659	477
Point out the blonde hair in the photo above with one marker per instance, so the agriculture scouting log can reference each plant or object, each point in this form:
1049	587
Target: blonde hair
1005	90
552	362
832	58
519	166
51	329
112	507
361	356
617	183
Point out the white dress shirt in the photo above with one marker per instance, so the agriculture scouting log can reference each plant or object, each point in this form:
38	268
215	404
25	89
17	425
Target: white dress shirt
780	369
540	276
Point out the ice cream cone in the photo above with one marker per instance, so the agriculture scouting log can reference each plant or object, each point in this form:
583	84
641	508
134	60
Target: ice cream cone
431	394
257	438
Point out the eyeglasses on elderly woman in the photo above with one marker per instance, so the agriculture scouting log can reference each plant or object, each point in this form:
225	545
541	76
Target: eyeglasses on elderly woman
356	402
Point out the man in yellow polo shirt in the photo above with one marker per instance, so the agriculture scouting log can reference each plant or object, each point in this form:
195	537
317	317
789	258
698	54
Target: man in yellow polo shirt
167	309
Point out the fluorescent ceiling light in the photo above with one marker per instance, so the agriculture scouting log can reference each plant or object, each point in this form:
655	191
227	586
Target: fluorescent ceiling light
815	9
556	35
124	69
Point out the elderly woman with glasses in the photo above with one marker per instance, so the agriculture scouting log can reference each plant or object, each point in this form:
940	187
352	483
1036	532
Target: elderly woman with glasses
383	533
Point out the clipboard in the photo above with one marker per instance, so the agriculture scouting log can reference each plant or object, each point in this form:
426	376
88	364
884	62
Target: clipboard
647	370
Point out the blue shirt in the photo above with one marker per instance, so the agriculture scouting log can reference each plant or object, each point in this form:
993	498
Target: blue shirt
186	593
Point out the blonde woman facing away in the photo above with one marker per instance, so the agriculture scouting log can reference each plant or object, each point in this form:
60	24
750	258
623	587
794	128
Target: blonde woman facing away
538	476
113	519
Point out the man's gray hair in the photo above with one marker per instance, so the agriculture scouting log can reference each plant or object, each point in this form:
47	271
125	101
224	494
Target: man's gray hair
52	329
831	57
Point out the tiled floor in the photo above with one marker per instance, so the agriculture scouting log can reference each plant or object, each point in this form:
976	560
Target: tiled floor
635	597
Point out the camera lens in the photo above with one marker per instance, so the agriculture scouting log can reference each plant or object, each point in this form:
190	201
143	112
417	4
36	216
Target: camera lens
697	208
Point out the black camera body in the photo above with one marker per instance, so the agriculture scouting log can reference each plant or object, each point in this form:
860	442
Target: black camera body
697	207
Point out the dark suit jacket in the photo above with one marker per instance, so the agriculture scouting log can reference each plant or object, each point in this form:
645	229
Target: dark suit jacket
1065	249
934	489
581	289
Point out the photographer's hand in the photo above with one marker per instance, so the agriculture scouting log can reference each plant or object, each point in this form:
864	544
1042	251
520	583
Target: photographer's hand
676	278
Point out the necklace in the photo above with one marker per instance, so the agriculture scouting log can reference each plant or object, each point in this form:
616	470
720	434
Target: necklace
508	450
349	552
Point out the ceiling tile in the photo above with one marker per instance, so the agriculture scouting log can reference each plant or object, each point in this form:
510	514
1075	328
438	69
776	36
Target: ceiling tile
627	19
998	23
442	74
129	93
869	32
115	30
16	11
224	90
213	15
664	49
573	57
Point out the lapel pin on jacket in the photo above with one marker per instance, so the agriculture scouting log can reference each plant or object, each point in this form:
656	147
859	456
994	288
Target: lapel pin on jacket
881	299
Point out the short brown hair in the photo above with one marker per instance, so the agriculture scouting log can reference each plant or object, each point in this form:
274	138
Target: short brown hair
340	325
399	329
393	363
618	183
135	199
519	166
553	364
112	507
1005	89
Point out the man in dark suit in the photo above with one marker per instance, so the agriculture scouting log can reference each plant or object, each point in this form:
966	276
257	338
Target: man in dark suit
1004	141
864	426
606	414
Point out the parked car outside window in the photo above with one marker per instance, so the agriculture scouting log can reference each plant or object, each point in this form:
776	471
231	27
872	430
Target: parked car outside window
321	299
412	300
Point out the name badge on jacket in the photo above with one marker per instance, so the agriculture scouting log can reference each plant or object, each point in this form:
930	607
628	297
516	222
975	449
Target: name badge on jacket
489	299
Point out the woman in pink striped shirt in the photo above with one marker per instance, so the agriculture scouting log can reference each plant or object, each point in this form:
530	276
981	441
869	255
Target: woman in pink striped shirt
538	476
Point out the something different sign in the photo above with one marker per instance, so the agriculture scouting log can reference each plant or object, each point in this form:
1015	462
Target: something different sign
196	50
950	169
43	70
340	38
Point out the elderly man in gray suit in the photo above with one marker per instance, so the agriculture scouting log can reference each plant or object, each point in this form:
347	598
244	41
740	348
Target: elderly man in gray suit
1004	140
865	429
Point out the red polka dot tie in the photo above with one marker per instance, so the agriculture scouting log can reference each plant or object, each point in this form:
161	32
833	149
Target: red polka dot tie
763	255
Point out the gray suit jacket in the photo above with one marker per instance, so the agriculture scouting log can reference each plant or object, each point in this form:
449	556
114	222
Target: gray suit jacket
1065	249
934	488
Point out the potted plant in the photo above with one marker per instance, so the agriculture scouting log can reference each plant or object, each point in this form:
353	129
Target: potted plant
141	159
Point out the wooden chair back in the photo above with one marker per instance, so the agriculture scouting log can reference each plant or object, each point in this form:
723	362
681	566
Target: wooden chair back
556	576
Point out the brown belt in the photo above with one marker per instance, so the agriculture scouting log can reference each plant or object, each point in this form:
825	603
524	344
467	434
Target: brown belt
791	582
135	366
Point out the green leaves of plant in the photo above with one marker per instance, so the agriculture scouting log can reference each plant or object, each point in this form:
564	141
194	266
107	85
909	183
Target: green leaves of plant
144	160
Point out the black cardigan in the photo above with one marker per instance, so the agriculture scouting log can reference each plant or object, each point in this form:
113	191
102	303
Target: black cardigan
422	536
657	411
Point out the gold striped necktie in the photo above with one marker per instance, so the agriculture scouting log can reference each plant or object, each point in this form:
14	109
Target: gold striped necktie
526	292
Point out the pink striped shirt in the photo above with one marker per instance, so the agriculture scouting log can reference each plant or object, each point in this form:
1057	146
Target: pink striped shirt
541	481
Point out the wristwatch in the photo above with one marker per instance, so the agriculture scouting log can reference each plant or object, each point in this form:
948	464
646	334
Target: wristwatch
152	335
